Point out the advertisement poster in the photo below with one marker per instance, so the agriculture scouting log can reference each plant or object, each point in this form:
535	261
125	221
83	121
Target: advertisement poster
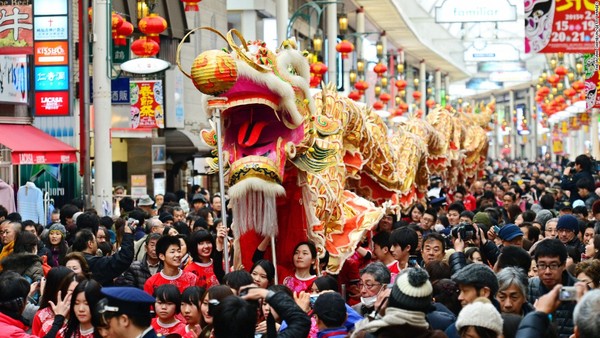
559	26
14	78
592	81
60	181
147	105
16	27
557	143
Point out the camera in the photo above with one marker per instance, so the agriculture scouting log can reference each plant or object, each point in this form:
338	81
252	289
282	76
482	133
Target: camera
571	164
466	231
567	293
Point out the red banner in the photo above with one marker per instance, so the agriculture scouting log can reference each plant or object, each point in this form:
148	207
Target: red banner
559	26
147	109
16	27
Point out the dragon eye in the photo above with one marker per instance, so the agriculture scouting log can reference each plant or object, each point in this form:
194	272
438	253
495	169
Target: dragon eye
292	70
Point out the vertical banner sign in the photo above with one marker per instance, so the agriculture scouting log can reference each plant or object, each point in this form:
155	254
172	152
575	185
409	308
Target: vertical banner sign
51	57
591	69
16	27
147	105
557	143
553	26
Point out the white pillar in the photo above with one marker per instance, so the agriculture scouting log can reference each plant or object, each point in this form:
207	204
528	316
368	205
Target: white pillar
332	30
594	133
360	28
423	85
438	86
513	129
533	124
447	84
497	137
282	20
248	24
102	110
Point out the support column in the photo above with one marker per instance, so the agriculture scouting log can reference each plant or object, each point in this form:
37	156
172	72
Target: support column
360	29
594	133
282	20
332	30
513	129
497	135
438	86
423	85
447	83
533	124
248	24
102	110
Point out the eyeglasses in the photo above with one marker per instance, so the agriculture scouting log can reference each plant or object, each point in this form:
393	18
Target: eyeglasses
553	266
368	286
551	231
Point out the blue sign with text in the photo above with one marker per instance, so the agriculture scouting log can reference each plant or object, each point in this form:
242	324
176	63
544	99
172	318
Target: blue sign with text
52	78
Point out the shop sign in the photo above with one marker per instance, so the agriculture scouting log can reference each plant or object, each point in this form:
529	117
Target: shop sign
14	77
60	181
16	27
522	76
52	103
559	26
51	53
121	54
51	28
584	119
482	51
147	104
491	66
51	7
451	11
557	143
52	78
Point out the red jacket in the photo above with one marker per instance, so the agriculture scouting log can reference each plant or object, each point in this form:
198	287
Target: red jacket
12	328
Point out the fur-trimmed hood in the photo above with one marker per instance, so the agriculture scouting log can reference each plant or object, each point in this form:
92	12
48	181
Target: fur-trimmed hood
20	262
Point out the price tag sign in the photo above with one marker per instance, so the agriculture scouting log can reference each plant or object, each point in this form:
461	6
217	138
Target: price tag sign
555	26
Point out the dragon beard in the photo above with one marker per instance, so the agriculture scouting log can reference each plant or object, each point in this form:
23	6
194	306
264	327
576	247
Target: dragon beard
254	204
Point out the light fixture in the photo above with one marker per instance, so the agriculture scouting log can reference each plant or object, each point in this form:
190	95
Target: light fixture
553	63
144	65
352	75
142	9
398	100
343	23
416	82
400	68
384	82
377	88
360	65
544	75
579	67
317	43
379	48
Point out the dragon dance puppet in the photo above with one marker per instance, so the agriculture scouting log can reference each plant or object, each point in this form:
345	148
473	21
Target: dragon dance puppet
308	168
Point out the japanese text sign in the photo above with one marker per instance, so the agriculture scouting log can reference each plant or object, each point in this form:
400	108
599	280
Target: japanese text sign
147	109
16	27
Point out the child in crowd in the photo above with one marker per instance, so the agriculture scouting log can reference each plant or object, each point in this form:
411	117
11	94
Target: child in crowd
166	307
190	309
168	249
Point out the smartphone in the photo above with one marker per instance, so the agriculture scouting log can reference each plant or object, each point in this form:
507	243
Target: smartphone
412	261
567	293
496	229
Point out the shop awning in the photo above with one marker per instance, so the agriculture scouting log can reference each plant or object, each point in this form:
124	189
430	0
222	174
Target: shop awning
30	145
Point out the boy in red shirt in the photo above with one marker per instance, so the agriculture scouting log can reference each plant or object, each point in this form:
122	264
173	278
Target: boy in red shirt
168	249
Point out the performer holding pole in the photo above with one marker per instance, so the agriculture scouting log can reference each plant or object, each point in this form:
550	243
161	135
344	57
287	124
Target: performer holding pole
216	104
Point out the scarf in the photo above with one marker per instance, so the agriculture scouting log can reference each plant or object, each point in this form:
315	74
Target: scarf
6	250
393	316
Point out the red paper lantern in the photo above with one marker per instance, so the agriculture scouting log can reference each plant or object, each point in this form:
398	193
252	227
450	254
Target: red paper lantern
398	112
116	22
315	81
553	79
318	68
380	68
544	91
145	47
123	32
378	105
404	106
569	92
400	84
578	85
561	71
361	86
430	103
417	95
345	47
385	97
191	6
354	95
152	25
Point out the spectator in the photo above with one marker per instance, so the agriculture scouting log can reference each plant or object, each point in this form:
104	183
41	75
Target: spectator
582	167
512	291
567	228
374	278
551	256
510	234
139	271
382	251
168	250
409	300
330	313
434	248
588	272
479	319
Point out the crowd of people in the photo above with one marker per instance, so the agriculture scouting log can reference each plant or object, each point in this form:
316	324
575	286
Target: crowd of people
514	253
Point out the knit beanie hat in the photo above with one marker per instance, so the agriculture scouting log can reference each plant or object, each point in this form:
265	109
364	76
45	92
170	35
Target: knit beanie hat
59	227
412	291
483	218
543	216
480	314
478	275
568	222
596	207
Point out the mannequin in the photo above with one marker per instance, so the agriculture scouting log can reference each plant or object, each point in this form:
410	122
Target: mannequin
30	203
7	197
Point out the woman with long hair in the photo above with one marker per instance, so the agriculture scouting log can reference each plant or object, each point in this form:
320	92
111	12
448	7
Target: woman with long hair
191	302
60	280
218	293
206	257
56	243
305	257
83	301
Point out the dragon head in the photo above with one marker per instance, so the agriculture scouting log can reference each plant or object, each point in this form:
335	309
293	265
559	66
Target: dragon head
263	118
